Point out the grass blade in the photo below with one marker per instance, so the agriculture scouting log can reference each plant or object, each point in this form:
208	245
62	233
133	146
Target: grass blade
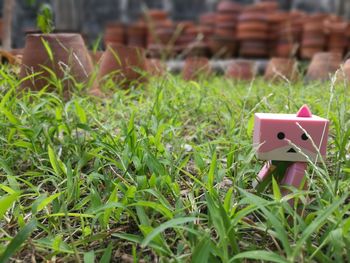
18	240
169	224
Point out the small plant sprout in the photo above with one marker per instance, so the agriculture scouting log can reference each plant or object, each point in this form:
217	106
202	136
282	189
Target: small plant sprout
288	142
45	19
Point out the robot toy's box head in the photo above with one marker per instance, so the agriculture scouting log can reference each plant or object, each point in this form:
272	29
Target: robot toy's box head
290	137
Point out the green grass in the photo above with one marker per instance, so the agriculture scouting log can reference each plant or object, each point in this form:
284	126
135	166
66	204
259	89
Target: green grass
163	173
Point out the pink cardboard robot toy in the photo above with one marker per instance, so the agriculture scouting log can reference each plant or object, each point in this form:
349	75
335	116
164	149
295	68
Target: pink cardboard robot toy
288	142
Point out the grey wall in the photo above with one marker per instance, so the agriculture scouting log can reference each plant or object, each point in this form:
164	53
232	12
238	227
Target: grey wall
90	16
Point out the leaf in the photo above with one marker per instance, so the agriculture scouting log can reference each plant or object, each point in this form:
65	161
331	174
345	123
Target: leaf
18	240
211	174
202	251
80	112
53	160
276	190
6	202
46	201
250	126
260	255
158	207
12	118
89	257
316	223
169	224
106	258
47	48
10	174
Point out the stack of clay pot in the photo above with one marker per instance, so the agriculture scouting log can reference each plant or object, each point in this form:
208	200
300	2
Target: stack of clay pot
114	34
336	32
195	68
224	42
160	33
0	30
281	69
207	25
323	65
137	34
184	36
314	36
69	60
275	20
243	70
197	41
253	31
289	35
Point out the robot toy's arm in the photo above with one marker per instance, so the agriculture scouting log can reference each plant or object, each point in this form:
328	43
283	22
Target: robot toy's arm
271	168
264	176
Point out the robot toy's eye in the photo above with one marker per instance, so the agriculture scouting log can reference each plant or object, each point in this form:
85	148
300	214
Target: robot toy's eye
304	137
281	136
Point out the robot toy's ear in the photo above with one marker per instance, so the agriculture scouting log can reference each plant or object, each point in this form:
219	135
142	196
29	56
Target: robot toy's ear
304	112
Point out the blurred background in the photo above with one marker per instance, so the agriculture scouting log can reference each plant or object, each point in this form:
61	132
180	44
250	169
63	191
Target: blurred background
91	16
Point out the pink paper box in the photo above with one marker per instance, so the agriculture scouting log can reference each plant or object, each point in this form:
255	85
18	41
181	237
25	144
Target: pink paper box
281	137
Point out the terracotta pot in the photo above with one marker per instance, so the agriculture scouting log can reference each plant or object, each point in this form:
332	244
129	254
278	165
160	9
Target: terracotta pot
96	56
114	34
155	67
314	36
196	49
123	64
337	39
322	65
69	56
281	69
225	18
252	17
346	71
1	30
253	49
226	31
240	70
309	52
253	26
156	15
160	51
275	21
207	19
223	47
268	5
228	6
136	35
196	67
286	50
252	35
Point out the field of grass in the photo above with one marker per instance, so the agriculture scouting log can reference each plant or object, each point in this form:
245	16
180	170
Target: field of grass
163	173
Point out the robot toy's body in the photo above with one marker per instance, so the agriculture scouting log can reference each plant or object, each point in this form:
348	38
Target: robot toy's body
288	142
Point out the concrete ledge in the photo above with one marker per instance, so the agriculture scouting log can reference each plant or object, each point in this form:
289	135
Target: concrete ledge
218	66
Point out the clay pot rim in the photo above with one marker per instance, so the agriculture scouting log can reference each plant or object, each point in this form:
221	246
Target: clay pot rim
54	35
228	6
252	17
328	54
117	45
252	26
282	59
223	39
114	24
